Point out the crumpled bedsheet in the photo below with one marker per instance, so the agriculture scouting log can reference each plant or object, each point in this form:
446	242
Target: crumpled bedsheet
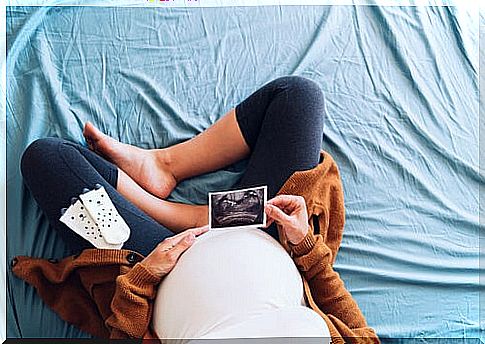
401	88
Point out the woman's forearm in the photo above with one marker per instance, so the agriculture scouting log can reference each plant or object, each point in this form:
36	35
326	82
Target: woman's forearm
175	216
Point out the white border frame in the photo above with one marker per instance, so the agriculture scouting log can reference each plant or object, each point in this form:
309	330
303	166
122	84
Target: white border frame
472	5
228	3
256	225
3	170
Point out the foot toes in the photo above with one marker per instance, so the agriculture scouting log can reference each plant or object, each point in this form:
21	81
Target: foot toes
90	143
91	133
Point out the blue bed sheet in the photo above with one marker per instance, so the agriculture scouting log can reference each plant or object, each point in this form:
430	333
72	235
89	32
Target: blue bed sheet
401	87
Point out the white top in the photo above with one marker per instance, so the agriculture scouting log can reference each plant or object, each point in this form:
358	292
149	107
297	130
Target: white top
236	283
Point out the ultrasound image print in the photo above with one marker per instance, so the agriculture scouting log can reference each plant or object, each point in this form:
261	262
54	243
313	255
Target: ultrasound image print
237	208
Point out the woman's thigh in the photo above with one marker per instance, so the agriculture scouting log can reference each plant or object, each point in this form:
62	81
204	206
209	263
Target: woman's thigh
282	123
55	170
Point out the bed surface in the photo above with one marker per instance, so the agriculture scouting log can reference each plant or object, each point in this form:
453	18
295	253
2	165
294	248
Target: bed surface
401	88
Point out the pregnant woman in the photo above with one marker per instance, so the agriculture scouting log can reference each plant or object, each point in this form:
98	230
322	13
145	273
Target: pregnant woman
195	283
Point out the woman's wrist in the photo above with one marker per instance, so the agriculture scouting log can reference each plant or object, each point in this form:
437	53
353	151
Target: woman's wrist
295	241
141	275
305	245
149	267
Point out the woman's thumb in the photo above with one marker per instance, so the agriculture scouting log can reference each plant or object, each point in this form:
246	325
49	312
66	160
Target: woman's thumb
184	244
276	213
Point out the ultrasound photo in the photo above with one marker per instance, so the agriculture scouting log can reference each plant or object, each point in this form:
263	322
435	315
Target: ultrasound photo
238	208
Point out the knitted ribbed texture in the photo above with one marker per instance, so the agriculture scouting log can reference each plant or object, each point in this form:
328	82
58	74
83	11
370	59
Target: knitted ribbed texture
305	246
109	293
322	189
78	288
327	294
131	303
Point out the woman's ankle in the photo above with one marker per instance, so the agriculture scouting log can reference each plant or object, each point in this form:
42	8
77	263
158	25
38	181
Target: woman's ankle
166	161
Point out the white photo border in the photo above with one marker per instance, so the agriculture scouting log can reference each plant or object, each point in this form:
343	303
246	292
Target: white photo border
470	5
265	200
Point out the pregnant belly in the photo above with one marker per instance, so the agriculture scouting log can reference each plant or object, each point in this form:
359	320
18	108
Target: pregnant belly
225	278
287	322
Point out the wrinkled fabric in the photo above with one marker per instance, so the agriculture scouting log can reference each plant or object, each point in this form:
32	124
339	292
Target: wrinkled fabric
401	88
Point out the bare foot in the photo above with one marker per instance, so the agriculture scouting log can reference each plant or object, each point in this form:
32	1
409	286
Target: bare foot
146	166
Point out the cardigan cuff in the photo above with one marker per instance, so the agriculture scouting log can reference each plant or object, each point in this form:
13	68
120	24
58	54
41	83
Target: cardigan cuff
140	276
305	246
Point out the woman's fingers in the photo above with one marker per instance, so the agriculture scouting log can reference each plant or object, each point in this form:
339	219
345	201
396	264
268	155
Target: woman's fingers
281	207
277	214
287	200
199	230
172	241
269	221
182	246
196	231
290	213
288	203
165	256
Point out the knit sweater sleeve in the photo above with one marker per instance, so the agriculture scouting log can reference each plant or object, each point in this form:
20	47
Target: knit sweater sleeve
132	303
314	259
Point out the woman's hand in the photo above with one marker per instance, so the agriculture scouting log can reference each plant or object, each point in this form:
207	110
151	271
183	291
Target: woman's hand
164	257
290	212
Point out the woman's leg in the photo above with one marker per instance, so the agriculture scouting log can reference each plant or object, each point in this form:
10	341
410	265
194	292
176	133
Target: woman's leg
175	216
289	129
56	170
282	123
159	170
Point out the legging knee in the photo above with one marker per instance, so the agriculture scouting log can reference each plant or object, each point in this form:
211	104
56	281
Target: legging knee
35	155
304	94
291	102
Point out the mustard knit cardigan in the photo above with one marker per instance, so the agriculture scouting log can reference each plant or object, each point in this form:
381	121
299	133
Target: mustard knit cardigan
109	293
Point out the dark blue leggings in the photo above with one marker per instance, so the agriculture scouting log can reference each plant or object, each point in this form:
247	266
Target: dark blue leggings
282	123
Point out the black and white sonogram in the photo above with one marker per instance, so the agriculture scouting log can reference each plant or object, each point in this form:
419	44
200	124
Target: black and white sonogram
237	208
